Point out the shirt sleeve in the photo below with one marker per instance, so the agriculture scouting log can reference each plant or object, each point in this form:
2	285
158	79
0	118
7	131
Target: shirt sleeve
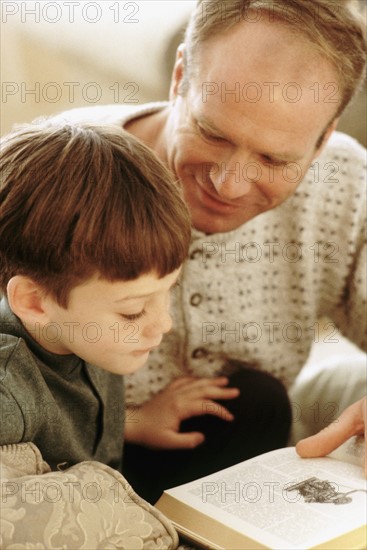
354	323
348	219
12	424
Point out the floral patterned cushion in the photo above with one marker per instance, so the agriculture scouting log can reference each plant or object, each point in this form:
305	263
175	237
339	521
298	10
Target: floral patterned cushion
88	506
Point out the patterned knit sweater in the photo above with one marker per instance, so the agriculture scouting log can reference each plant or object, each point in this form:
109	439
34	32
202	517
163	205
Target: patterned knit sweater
257	293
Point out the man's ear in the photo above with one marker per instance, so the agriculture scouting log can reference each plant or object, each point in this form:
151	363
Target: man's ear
177	73
324	138
26	300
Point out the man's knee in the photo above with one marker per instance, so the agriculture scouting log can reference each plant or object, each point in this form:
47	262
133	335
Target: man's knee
262	396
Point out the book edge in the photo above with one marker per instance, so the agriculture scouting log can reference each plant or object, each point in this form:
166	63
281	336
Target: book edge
203	529
210	533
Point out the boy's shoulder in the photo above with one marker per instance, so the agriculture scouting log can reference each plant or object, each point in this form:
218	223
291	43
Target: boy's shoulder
8	344
20	389
15	357
10	340
13	351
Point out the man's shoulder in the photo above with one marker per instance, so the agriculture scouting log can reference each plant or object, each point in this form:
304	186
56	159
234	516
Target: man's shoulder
343	147
99	114
341	165
115	114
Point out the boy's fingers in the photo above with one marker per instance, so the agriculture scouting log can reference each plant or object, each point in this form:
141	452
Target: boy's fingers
215	409
199	407
189	440
181	382
202	382
215	392
228	393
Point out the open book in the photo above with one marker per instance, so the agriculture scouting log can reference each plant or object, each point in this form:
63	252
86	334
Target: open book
277	500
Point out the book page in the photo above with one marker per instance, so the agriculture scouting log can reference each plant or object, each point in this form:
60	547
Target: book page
351	451
282	500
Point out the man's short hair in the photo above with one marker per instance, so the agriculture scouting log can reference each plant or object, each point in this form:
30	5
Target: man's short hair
335	29
78	200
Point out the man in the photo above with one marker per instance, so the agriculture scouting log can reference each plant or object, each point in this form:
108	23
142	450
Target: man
277	204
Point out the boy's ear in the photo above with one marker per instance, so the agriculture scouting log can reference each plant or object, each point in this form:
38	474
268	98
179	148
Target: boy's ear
26	300
177	73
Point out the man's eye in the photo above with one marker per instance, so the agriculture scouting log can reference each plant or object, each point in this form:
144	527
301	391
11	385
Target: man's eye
210	137
133	316
273	162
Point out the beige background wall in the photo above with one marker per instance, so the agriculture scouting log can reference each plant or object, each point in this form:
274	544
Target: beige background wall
127	43
69	58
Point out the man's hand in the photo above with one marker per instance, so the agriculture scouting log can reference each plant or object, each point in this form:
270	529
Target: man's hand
156	424
353	421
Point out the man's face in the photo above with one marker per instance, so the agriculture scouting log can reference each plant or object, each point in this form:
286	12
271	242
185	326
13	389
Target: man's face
244	135
113	325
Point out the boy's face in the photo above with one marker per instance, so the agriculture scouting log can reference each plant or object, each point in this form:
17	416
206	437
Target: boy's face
113	325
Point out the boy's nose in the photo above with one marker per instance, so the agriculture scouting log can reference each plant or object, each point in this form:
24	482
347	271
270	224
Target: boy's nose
161	324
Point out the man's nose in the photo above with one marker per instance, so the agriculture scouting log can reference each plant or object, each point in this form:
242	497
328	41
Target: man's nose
233	178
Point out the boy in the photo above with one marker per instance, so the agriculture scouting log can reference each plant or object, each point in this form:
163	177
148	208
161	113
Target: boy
92	237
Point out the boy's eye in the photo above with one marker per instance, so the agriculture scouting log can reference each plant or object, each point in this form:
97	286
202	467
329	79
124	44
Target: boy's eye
133	316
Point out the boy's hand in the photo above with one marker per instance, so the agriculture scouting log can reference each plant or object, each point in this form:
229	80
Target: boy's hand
156	424
352	421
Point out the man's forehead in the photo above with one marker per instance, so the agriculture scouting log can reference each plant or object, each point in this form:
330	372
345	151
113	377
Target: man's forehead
262	52
223	108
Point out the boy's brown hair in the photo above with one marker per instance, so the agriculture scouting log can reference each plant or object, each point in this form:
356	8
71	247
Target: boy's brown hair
76	200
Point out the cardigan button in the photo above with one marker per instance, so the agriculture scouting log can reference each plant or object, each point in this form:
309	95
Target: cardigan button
196	254
196	299
199	353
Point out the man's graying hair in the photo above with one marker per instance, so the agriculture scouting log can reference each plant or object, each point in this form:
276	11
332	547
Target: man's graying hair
335	28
